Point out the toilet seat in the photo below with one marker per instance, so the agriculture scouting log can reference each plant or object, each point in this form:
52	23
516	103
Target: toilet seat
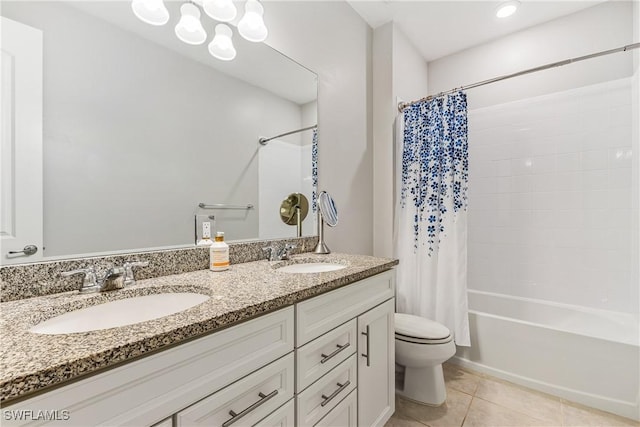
419	330
422	340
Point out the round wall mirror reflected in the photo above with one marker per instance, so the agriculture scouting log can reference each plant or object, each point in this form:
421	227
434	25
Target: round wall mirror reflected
291	205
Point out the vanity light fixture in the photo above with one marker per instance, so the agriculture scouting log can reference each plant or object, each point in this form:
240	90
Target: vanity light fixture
251	26
152	12
189	29
507	8
220	10
221	46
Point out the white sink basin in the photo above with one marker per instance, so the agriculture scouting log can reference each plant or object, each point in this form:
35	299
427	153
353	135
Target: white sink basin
119	313
311	267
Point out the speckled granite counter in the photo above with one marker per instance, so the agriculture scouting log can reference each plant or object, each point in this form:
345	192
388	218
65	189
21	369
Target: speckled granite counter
32	362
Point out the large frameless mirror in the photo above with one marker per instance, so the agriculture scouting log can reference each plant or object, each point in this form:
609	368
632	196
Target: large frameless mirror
143	134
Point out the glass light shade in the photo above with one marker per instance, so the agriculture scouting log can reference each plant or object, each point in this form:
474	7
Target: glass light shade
221	46
507	9
220	10
251	26
151	12
190	29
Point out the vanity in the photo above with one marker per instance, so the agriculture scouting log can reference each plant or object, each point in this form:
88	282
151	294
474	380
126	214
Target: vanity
267	348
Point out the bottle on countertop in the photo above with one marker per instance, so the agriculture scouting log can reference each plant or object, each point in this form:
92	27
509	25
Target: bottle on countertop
219	254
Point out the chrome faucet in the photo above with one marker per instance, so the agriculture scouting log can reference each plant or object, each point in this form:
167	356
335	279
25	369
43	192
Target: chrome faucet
114	278
281	254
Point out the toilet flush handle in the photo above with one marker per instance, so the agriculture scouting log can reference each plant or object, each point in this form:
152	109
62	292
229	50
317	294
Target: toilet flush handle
366	334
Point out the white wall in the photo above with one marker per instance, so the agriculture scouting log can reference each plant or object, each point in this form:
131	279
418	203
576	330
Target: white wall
383	115
400	72
551	178
598	28
129	151
635	277
331	39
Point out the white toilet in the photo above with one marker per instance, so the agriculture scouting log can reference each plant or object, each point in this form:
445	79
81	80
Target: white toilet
422	346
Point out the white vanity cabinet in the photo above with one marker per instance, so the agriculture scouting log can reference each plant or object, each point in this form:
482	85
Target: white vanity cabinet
149	390
326	361
345	343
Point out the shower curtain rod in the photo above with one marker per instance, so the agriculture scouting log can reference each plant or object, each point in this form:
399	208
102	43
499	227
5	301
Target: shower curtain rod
263	141
403	105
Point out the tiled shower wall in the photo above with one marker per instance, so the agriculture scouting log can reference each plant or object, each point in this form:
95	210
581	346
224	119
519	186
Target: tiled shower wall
550	184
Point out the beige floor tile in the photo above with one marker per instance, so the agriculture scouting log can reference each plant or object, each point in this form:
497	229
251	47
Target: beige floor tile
450	414
400	420
483	413
578	416
459	379
529	402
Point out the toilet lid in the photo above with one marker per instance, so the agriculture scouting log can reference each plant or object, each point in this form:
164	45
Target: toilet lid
420	327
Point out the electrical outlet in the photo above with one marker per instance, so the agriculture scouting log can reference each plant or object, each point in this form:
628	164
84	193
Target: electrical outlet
206	230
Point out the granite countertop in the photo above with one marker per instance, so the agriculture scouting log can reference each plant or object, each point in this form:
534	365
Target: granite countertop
31	362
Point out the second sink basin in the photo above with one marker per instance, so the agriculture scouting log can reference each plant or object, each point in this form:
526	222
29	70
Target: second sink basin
119	313
311	267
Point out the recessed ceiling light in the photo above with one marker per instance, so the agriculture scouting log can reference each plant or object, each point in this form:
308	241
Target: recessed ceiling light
507	9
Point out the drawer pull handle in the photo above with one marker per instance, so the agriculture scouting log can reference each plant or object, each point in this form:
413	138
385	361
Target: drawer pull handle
326	357
366	334
328	399
235	417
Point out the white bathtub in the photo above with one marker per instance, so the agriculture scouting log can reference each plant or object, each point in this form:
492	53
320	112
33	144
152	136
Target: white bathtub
583	355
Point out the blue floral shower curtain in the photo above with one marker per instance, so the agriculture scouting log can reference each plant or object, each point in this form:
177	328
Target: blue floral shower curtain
431	233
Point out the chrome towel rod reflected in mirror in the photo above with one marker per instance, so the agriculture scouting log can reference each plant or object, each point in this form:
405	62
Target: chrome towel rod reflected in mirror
224	206
263	141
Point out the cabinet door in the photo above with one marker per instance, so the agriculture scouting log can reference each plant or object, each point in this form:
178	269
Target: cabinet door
376	365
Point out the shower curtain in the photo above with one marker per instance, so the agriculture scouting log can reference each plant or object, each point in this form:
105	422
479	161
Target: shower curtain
431	213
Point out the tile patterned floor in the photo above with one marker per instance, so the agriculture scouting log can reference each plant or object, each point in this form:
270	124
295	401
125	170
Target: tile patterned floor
479	400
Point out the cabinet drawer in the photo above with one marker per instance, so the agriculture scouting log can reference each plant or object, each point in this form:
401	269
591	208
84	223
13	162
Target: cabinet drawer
318	357
343	415
283	417
323	395
318	315
244	402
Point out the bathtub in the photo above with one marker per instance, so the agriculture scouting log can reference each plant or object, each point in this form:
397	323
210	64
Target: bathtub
583	355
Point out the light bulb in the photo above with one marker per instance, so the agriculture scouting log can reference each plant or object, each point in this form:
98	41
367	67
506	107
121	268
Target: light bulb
151	12
251	26
220	10
507	9
190	29
221	46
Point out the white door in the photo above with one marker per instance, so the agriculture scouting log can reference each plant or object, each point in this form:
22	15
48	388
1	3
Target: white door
20	142
376	366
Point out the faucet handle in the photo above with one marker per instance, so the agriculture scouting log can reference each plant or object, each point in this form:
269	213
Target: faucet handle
284	253
129	276
89	281
269	250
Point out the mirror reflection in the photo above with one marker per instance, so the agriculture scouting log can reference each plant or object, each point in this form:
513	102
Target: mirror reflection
139	129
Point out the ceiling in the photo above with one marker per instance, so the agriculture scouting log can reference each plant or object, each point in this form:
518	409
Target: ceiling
441	28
